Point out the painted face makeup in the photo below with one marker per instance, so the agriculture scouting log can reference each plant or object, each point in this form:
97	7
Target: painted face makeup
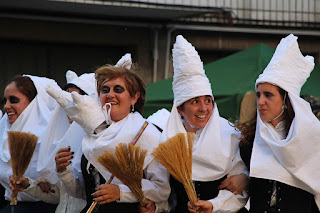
15	102
116	93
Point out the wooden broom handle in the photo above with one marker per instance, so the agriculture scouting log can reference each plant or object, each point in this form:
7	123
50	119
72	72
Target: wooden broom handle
144	126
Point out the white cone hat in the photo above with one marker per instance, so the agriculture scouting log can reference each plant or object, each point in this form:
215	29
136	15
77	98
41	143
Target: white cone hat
189	78
288	68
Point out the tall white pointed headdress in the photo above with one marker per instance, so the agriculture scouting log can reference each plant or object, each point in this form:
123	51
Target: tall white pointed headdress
189	78
288	68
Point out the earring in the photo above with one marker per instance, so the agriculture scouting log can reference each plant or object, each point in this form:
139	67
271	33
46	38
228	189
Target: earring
132	108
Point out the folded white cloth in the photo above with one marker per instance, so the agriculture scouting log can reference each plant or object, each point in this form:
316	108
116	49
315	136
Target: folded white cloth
295	159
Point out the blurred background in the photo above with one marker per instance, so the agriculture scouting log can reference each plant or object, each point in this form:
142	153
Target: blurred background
235	40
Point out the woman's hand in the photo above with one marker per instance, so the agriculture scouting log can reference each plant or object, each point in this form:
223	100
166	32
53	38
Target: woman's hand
106	193
44	185
202	206
149	208
18	185
63	158
235	183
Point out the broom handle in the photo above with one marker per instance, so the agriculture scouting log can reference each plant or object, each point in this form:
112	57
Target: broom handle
144	126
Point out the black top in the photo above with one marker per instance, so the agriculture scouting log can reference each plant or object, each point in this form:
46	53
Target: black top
3	201
90	186
288	198
205	191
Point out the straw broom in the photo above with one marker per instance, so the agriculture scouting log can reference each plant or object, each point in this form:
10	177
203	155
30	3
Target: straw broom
135	140
21	146
127	166
175	155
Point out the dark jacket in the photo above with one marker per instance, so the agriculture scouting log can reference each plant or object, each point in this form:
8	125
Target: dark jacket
289	199
90	186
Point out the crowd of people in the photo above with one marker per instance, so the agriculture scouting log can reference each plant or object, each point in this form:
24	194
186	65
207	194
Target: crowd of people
268	163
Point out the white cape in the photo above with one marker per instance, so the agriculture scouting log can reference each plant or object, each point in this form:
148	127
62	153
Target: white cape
34	119
294	160
60	134
214	150
123	131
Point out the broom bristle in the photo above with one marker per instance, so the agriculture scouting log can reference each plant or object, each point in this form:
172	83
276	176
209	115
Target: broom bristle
127	166
175	155
21	146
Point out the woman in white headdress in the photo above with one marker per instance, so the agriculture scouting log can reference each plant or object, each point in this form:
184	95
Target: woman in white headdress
122	95
215	153
280	146
62	135
28	108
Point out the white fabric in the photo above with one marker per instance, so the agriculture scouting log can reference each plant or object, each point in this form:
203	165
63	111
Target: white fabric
294	160
288	68
160	118
189	79
61	134
64	135
155	186
86	82
107	140
67	203
216	147
34	119
125	59
213	151
1	114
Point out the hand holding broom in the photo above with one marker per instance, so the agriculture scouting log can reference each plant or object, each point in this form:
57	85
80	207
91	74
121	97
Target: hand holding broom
21	146
135	140
175	155
127	166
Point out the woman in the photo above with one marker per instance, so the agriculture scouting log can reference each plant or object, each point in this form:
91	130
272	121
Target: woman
215	153
122	95
27	109
51	187
280	145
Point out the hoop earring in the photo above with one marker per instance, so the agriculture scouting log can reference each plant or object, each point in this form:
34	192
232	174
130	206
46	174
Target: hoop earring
132	108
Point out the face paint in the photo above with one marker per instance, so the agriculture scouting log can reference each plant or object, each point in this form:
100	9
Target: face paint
14	99
15	102
116	93
116	89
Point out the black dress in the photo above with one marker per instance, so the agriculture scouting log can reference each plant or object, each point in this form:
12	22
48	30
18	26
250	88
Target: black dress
90	186
288	199
205	191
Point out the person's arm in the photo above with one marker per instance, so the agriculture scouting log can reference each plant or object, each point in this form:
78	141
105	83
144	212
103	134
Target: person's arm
40	189
155	186
71	180
227	201
72	183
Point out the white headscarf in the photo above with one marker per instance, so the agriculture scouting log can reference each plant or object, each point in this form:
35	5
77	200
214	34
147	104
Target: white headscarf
295	159
34	119
61	134
217	143
86	82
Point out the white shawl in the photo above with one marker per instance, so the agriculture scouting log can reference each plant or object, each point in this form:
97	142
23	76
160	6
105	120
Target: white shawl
123	131
294	160
214	150
34	119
